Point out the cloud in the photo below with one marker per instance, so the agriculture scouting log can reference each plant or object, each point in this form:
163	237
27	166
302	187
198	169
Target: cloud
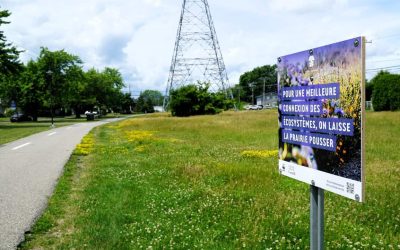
154	2
112	47
305	6
138	37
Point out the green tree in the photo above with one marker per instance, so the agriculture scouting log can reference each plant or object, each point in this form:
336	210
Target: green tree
369	88
9	54
127	103
10	89
196	100
58	70
254	81
76	93
386	94
104	88
154	95
32	89
10	65
145	104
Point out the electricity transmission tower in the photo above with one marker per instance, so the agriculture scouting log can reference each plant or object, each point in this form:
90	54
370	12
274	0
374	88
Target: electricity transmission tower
197	55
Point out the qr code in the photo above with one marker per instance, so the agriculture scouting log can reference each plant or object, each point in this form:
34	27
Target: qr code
350	188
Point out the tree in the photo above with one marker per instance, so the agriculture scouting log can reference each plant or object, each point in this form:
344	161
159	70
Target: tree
9	54
386	94
127	103
154	95
253	81
104	88
144	104
148	99
77	97
369	88
10	66
196	100
10	89
32	89
58	69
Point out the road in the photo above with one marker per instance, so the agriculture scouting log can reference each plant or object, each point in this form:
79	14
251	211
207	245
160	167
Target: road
29	170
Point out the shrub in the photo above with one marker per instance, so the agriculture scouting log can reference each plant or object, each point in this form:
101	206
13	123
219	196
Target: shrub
196	100
386	94
8	112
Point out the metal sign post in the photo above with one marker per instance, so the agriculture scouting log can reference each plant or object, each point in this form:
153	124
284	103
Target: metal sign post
316	218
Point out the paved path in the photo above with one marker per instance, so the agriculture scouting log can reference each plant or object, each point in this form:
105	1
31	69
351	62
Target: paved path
29	169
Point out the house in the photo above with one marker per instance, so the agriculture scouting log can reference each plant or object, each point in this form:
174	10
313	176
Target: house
268	100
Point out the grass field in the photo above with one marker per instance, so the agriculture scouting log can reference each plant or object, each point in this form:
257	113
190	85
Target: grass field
14	131
211	182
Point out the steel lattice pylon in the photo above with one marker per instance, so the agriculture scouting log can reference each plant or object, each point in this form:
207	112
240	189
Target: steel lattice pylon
197	55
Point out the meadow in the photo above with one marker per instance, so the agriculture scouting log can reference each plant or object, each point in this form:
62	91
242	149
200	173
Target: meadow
211	182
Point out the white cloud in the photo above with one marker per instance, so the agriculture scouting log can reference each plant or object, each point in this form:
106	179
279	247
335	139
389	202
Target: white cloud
154	2
138	36
305	6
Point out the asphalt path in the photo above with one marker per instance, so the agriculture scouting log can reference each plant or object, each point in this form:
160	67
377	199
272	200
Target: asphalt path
29	170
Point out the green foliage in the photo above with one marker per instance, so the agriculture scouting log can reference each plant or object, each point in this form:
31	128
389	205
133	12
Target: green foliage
369	89
104	88
145	104
9	54
196	100
32	89
8	112
155	96
386	94
58	69
255	79
147	100
127	103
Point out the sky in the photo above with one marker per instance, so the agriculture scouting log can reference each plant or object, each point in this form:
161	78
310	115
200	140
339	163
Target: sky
138	36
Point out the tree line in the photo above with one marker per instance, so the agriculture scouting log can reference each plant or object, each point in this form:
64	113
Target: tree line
56	80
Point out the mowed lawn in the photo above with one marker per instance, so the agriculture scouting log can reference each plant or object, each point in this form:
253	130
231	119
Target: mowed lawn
14	131
185	183
11	131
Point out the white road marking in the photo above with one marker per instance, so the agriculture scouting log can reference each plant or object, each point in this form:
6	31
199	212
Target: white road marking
53	133
21	146
69	128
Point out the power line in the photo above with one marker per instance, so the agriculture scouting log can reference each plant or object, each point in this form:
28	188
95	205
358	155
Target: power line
388	60
384	68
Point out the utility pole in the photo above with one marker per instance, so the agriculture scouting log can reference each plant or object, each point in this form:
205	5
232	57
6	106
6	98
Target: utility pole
51	74
263	102
252	85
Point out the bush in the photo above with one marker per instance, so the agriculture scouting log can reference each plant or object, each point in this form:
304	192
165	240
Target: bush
144	105
8	112
386	94
196	100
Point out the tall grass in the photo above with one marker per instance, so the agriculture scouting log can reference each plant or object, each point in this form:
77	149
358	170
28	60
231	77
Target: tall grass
163	182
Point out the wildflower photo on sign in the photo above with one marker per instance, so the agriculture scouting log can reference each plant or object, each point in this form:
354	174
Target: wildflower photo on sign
320	116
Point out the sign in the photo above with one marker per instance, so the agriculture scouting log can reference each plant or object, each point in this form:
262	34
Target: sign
321	113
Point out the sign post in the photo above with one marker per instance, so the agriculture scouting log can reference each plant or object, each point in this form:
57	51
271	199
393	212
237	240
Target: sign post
321	123
316	218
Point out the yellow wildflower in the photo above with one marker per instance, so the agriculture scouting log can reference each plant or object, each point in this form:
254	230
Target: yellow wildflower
138	135
259	153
